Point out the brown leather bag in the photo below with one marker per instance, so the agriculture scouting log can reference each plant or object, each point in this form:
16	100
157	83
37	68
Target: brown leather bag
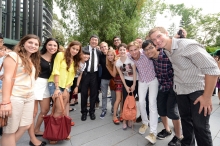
4	121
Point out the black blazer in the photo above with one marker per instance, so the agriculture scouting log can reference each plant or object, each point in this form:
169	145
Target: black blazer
98	52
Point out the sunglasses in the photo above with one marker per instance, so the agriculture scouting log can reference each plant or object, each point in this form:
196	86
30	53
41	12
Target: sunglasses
123	67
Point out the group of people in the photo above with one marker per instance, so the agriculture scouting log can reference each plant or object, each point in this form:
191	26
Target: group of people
173	78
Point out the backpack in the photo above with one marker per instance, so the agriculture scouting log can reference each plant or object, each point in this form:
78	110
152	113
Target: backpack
129	108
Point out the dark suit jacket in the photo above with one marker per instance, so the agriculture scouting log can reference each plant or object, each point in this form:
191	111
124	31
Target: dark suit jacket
98	52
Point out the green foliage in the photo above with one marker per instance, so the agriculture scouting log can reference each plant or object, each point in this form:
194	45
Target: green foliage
210	27
211	49
189	17
58	31
104	18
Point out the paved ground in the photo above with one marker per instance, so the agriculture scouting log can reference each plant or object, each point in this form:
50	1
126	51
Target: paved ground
105	133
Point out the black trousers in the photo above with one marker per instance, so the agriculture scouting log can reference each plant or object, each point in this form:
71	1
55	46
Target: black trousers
194	125
89	81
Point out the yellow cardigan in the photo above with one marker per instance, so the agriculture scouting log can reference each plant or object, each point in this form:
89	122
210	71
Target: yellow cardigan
59	68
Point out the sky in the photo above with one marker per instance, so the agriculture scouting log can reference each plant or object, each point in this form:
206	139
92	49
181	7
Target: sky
208	6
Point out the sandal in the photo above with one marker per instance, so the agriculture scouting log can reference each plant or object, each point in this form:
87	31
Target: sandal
121	119
53	142
116	121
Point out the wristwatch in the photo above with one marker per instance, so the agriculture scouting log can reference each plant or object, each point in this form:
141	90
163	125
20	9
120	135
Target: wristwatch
67	89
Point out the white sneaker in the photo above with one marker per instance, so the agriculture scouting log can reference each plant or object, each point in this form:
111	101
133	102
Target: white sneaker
143	129
151	138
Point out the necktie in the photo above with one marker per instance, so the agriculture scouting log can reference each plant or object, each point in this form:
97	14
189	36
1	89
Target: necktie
92	62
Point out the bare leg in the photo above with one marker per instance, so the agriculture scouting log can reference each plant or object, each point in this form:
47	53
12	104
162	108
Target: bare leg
165	122
31	133
20	132
45	107
177	128
8	139
118	99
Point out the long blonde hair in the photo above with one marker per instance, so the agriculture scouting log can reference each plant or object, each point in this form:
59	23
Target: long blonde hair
109	63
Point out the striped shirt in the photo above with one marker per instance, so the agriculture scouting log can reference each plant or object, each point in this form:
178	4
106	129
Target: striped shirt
190	63
145	68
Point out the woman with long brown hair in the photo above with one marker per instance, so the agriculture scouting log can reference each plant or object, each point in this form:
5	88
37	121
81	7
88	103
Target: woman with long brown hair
18	105
61	79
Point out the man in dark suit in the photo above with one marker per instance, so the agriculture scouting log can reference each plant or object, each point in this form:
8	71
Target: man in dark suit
90	79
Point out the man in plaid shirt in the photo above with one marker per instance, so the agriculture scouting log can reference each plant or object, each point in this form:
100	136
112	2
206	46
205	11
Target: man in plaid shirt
166	99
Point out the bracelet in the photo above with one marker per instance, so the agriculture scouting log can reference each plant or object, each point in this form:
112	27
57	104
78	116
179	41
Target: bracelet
77	85
5	103
57	89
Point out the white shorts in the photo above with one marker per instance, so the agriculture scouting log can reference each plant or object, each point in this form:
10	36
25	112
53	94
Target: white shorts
22	113
41	89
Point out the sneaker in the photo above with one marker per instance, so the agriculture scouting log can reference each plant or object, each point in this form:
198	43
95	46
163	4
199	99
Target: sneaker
143	129
97	105
151	138
175	142
102	116
163	134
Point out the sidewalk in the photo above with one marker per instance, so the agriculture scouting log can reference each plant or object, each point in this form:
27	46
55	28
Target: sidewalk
105	133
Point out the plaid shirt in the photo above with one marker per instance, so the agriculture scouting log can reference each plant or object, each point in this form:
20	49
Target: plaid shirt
164	71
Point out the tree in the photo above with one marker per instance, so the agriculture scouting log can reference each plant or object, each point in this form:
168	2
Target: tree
58	31
209	29
101	17
189	18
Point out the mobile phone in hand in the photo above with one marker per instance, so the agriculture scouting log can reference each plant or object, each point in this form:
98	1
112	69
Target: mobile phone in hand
180	33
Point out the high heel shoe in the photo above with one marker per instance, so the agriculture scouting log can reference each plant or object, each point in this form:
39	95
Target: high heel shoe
43	143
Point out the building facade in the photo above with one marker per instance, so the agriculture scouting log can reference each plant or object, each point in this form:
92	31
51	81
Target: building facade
21	17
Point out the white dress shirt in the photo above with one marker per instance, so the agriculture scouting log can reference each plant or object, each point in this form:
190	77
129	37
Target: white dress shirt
95	59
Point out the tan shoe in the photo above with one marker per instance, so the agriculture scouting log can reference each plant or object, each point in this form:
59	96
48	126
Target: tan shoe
143	129
151	138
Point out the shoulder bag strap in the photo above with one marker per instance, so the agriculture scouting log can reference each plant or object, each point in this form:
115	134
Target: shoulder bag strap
14	75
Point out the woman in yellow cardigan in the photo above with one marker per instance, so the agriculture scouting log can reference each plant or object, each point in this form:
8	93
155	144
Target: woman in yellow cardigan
62	76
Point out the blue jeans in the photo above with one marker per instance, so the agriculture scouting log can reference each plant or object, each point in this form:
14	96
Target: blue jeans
52	88
104	88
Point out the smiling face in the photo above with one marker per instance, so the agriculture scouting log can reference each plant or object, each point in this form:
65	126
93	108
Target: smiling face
110	56
84	57
104	48
31	46
52	47
161	40
117	42
74	50
134	51
151	51
122	51
94	42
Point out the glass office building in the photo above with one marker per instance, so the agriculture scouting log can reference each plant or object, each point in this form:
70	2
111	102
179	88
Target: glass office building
21	17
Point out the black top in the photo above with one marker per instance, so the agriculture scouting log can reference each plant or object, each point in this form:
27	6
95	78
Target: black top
105	73
45	69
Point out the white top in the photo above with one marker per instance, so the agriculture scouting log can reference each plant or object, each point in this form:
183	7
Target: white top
126	68
95	59
81	68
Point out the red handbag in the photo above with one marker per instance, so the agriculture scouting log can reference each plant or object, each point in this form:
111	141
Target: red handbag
57	128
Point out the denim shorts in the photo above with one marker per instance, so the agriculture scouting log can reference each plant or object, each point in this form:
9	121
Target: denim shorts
52	88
